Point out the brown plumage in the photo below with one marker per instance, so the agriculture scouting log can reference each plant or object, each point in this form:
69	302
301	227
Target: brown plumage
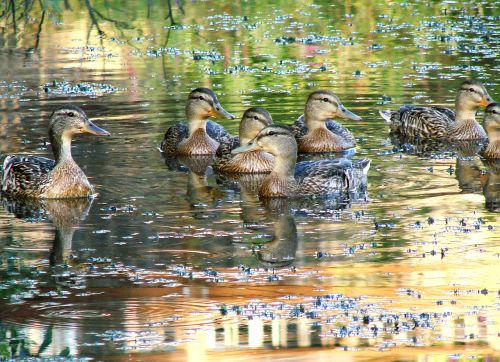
198	136
439	122
254	119
315	131
40	177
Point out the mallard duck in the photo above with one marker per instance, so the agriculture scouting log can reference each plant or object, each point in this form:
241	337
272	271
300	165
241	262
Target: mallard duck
199	136
254	119
40	177
289	179
492	125
439	122
315	131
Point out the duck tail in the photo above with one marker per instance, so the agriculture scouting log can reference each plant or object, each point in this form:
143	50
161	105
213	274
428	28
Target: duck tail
386	115
363	165
5	165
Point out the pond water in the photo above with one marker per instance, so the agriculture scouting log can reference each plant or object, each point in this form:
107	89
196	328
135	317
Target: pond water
169	263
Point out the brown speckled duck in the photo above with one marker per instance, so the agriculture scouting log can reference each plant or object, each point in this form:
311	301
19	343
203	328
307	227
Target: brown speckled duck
492	126
315	130
254	119
306	178
439	122
40	177
199	136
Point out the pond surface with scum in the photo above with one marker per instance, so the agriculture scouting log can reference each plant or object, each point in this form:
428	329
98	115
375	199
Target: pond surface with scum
172	264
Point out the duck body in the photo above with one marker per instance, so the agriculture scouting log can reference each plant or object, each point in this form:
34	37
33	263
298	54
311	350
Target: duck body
254	119
316	131
203	141
289	179
439	122
40	177
198	136
332	138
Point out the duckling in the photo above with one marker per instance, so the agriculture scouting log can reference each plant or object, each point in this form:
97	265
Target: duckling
40	177
199	136
307	178
492	125
315	131
254	119
439	122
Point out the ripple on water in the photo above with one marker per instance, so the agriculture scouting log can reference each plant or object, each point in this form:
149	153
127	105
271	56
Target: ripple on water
113	314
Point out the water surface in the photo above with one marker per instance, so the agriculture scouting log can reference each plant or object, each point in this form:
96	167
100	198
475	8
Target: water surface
169	263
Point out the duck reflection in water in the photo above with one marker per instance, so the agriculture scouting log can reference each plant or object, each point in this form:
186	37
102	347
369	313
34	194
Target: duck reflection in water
483	177
65	214
201	196
280	251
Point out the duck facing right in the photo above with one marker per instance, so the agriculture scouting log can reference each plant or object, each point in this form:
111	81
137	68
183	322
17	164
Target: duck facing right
439	122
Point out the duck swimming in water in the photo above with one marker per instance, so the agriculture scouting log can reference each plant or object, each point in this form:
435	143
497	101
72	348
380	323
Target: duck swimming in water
254	119
199	136
492	126
315	131
306	178
440	122
40	177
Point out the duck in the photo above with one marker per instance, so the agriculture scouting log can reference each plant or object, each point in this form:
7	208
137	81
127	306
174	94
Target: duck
492	126
42	178
316	131
289	179
254	119
443	123
199	136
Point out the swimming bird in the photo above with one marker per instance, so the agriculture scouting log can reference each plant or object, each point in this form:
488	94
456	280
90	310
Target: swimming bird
289	179
40	177
199	136
492	126
254	119
315	130
440	122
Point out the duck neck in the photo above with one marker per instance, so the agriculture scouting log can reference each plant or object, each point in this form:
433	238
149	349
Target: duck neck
195	125
464	109
284	166
312	122
61	146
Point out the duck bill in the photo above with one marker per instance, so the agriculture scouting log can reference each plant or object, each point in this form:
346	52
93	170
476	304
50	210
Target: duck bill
91	128
343	112
246	148
486	100
219	112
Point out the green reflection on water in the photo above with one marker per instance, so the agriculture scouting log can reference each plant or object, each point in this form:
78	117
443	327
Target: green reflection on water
376	55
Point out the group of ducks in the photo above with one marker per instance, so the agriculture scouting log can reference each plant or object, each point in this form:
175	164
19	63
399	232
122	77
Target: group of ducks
261	147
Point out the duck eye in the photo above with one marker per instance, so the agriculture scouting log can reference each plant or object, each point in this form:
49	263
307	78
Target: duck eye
255	117
325	99
201	98
272	133
71	114
472	89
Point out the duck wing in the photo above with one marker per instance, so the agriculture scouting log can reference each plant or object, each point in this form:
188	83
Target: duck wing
25	175
415	121
324	176
174	135
217	132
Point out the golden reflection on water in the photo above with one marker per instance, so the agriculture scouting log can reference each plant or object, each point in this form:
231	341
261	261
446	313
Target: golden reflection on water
148	220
